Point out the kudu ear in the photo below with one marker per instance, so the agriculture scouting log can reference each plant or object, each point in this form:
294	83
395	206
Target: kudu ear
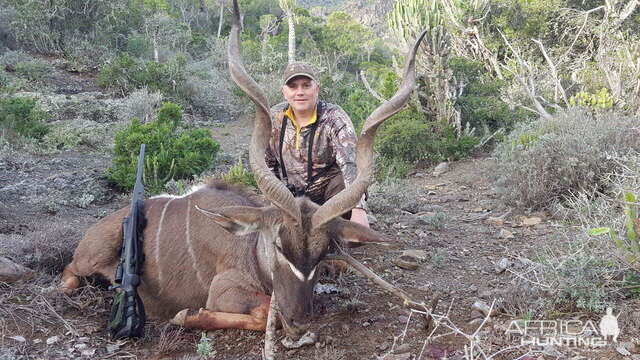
352	234
238	220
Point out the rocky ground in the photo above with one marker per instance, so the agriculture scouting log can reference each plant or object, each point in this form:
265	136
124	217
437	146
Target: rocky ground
453	238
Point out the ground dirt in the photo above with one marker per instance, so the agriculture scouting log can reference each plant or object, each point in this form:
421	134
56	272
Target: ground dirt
48	201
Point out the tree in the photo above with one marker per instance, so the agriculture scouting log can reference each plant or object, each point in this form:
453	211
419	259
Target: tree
288	7
436	91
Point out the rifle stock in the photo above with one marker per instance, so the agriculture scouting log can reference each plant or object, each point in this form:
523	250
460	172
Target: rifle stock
127	312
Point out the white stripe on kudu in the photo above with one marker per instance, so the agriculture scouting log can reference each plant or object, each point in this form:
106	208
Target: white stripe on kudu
192	253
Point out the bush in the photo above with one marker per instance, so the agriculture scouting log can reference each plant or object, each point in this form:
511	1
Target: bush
544	162
480	104
34	70
407	138
20	115
237	174
141	104
170	154
10	59
125	74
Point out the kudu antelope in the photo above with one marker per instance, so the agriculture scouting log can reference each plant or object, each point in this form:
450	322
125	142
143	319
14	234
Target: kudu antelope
220	248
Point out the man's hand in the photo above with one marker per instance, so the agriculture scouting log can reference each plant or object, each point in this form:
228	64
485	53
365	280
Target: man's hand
359	216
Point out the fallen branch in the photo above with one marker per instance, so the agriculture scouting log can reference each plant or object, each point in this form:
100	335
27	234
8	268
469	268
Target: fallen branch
406	300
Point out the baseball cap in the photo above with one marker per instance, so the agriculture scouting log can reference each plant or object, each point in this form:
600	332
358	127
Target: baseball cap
298	68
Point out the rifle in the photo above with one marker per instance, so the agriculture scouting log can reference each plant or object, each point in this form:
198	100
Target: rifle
127	318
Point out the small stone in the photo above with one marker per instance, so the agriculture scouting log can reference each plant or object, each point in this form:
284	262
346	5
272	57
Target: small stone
406	263
476	321
419	255
419	175
403	319
366	324
384	346
475	314
506	234
17	338
532	221
81	346
402	349
37	341
441	168
503	265
309	338
88	352
396	357
113	348
484	308
52	340
494	221
622	351
372	219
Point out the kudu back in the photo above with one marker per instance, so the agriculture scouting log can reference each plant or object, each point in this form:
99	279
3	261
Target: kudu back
220	249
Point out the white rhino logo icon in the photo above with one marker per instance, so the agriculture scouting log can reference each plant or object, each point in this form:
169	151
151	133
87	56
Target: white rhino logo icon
609	325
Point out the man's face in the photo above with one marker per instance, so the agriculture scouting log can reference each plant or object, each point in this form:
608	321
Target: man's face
301	93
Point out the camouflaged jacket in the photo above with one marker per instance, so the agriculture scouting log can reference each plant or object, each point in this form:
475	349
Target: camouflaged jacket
333	150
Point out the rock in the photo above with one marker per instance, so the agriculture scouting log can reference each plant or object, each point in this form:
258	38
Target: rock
88	352
506	234
503	265
419	255
384	346
12	272
403	319
494	221
406	262
396	357
111	349
532	221
372	219
419	175
622	351
53	340
326	289
553	352
309	338
17	338
402	349
366	324
475	314
441	168
484	308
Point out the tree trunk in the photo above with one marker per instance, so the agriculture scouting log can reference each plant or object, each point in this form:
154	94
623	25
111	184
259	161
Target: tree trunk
292	36
221	17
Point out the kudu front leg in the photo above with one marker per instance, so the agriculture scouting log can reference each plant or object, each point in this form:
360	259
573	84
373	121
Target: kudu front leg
231	308
205	319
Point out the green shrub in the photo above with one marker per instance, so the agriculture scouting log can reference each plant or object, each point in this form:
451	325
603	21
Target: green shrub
407	138
125	74
34	70
170	153
545	162
237	174
602	99
139	46
480	104
20	115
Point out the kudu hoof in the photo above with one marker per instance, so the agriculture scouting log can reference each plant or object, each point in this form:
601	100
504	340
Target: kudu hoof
180	318
69	286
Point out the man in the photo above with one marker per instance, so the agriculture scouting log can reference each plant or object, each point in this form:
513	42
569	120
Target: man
302	119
